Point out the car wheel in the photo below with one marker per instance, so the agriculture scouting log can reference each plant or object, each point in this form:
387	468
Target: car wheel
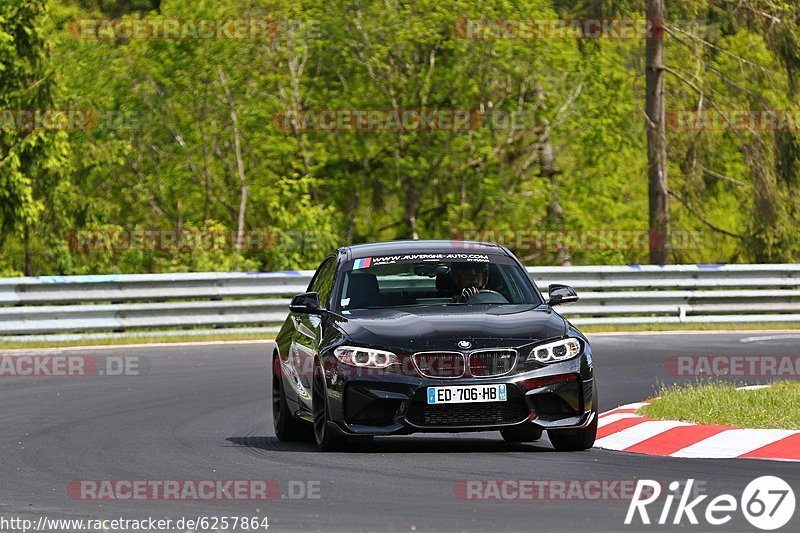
327	439
287	427
528	433
572	440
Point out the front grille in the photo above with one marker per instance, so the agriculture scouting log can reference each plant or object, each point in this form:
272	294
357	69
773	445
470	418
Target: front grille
440	364
486	363
469	414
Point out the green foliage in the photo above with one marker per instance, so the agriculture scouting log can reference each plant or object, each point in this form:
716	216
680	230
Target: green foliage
164	153
32	162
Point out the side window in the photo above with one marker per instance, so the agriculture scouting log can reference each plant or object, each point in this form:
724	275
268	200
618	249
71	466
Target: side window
323	281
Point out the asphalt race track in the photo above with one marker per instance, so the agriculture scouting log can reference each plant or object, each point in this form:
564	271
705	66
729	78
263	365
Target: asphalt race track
203	412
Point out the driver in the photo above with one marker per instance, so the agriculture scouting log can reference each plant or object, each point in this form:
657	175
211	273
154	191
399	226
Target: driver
469	279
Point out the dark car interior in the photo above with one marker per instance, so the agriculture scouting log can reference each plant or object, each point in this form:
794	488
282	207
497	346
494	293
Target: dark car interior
363	290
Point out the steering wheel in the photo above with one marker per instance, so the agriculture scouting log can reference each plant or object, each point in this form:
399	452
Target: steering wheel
490	291
465	296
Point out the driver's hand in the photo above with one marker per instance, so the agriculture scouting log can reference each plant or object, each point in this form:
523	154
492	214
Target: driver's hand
466	294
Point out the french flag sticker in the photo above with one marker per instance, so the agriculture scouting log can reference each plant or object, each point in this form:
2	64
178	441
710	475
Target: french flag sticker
362	263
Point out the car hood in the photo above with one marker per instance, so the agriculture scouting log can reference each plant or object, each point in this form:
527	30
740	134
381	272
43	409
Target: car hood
442	327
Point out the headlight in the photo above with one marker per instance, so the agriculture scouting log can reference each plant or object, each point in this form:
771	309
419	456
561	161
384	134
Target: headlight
555	351
365	357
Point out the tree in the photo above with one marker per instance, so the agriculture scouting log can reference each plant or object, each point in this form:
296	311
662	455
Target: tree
656	136
32	160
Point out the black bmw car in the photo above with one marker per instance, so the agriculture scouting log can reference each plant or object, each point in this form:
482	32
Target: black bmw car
431	336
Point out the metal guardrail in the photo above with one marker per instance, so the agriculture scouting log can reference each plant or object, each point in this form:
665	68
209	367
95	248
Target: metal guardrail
608	295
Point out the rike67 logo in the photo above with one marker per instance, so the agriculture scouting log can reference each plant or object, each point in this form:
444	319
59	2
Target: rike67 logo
767	502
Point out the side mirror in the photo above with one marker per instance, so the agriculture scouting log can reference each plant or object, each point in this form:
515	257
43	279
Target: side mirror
561	294
306	303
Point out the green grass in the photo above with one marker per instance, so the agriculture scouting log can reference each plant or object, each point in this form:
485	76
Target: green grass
140	339
776	407
731	326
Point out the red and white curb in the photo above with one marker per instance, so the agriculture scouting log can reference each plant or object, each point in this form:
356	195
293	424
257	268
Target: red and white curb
621	429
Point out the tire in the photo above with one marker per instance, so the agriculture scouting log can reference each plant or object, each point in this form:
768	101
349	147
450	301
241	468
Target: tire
327	439
287	427
574	440
528	433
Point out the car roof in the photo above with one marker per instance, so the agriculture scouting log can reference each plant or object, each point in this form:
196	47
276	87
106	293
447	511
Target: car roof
359	251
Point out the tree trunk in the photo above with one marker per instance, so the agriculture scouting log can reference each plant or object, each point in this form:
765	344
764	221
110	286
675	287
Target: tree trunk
240	168
548	170
656	136
412	206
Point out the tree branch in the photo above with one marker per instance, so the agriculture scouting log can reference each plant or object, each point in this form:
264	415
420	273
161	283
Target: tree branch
722	177
700	217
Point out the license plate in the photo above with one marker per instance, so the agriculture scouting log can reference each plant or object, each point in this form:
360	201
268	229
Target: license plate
467	394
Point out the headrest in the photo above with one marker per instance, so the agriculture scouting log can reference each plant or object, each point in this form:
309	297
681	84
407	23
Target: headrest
445	283
362	289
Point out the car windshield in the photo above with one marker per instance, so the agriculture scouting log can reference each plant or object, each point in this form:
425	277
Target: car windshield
434	279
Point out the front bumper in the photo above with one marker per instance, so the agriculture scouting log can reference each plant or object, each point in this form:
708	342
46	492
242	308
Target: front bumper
556	396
